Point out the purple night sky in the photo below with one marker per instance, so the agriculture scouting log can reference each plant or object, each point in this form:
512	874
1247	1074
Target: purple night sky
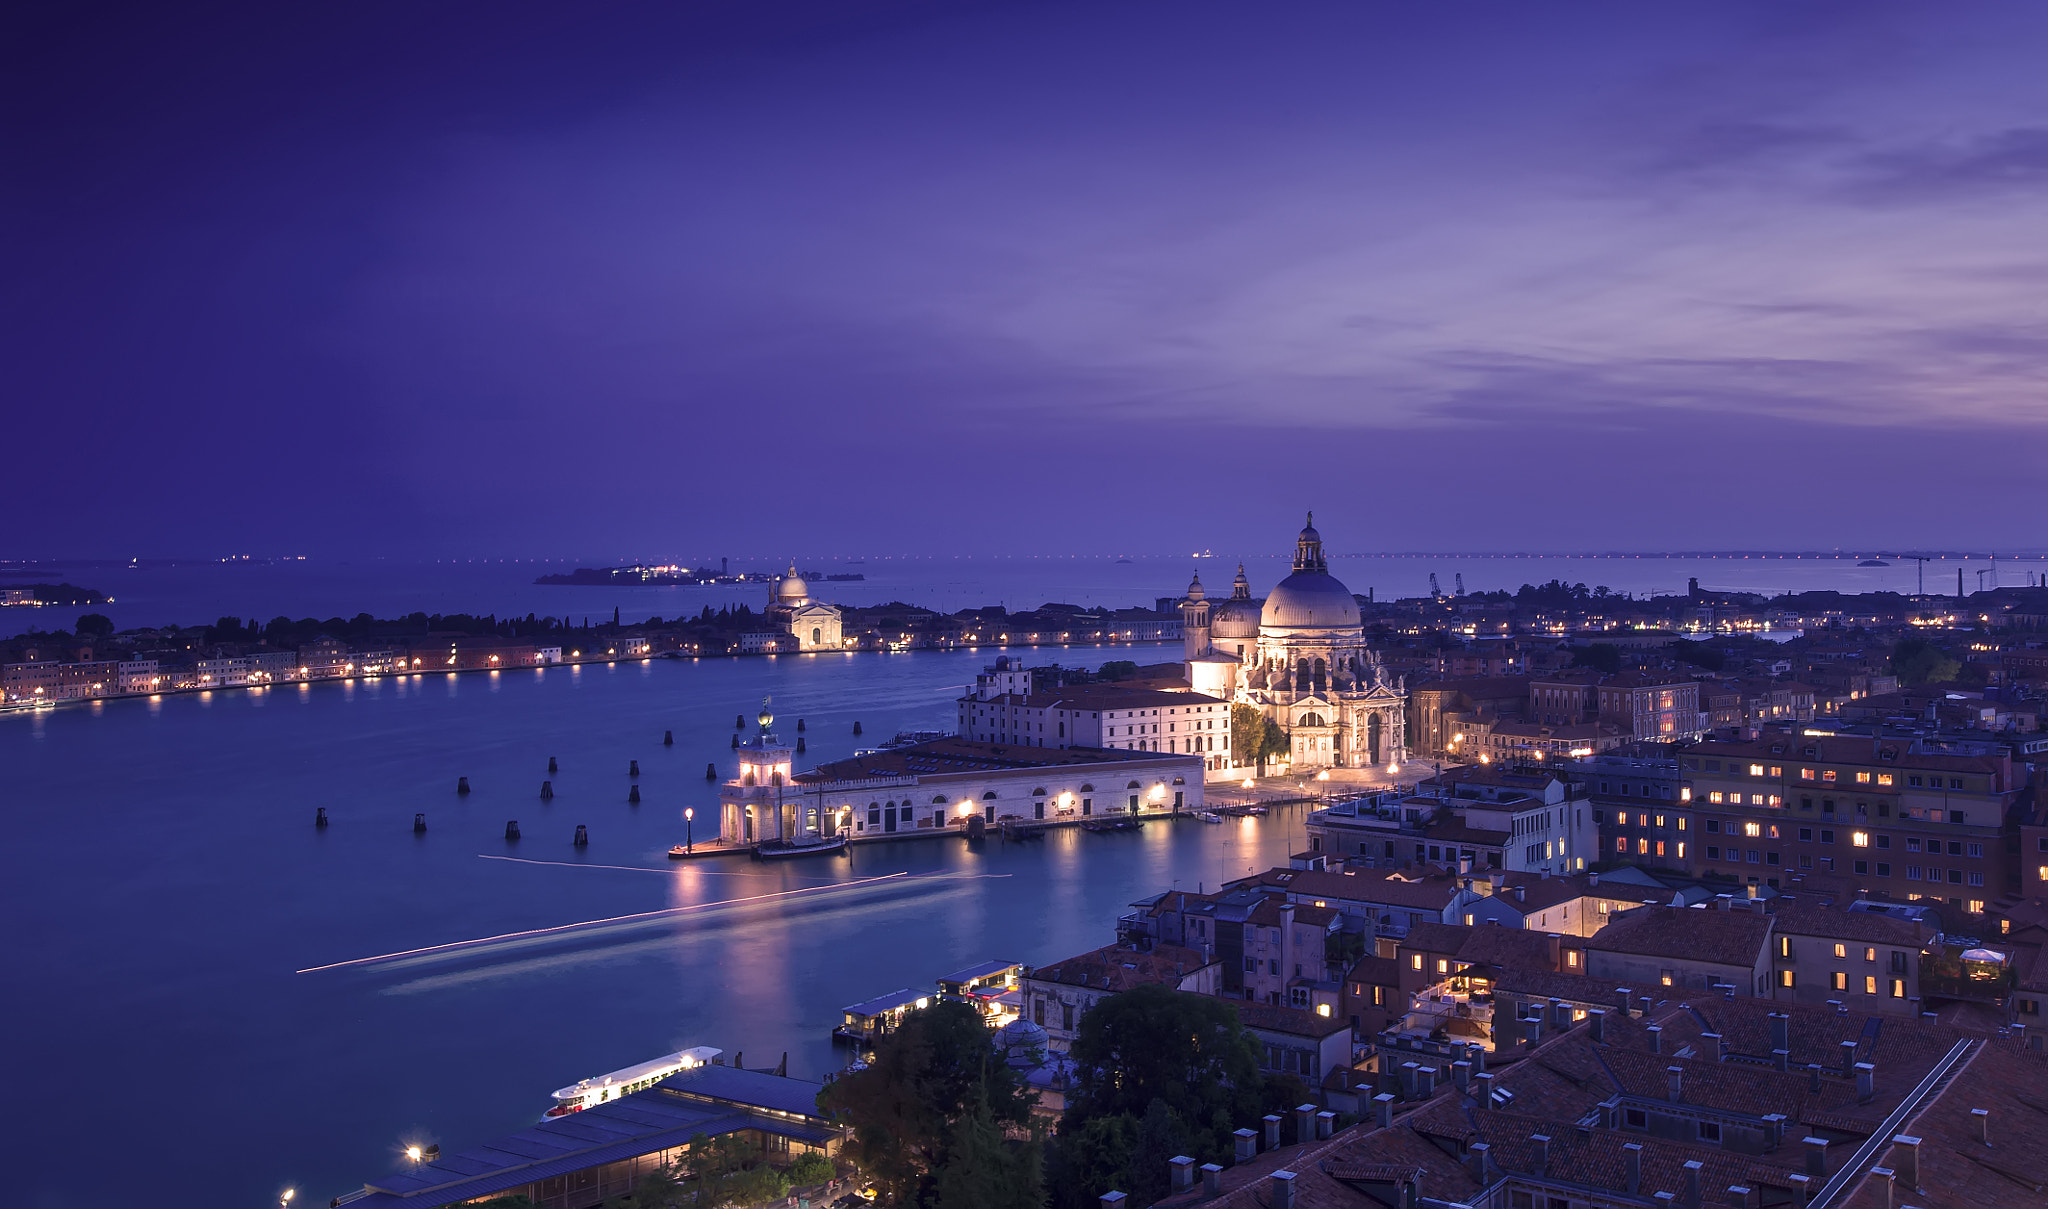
516	279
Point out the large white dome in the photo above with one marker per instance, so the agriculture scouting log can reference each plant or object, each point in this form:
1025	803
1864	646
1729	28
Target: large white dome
793	589
1309	600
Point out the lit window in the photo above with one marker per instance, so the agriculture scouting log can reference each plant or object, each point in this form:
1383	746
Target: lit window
1869	954
1840	980
1681	850
1443	965
1660	820
1898	988
1571	958
1752	829
1806	774
1863	778
1870	984
1785	979
1860	839
1841	950
1665	978
1685	794
1884	778
1415	961
1714	797
1828	775
1976	906
1776	771
1642	847
1756	770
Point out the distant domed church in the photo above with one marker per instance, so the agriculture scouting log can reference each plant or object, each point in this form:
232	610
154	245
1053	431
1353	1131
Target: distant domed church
1301	659
813	624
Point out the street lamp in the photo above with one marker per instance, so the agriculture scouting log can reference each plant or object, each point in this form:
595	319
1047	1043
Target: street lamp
689	829
285	1198
413	1153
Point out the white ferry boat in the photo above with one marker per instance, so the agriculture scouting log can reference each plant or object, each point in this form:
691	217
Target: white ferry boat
599	1088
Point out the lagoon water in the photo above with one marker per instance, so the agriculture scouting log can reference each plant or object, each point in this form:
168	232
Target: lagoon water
163	883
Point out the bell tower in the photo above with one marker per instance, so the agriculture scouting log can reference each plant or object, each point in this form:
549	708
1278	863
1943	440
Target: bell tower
1308	549
1194	620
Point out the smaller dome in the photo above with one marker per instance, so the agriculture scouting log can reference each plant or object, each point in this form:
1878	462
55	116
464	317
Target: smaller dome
1237	617
792	588
1195	591
1240	588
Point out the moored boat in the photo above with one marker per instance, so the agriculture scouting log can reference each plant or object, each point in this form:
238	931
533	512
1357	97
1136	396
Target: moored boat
597	1089
774	850
1210	816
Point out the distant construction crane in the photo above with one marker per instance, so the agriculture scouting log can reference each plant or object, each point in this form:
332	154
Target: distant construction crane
1433	589
1461	583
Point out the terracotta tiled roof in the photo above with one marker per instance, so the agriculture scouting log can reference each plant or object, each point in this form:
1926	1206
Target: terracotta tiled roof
1574	988
1798	915
1734	938
1273	1018
1430	936
1509	948
1267	914
1120	968
2011	1083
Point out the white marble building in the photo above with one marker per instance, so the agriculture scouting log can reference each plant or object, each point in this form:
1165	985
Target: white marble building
1300	657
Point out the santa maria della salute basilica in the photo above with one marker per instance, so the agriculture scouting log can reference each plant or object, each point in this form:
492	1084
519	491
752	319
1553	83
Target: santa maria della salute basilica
1299	657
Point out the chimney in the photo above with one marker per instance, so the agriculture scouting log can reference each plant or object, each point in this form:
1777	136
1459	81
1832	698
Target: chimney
1906	1159
1410	1079
1478	1156
1212	1180
1247	1145
1477	1057
1482	1088
1593	879
1113	1200
1596	1024
1461	1076
1304	1122
1692	1183
1560	1016
1712	1044
1656	1035
1781	1031
1803	1190
1182	1169
1738	1196
1848	1051
1723	902
1272	1124
1383	1108
1624	993
1632	1155
1816	1157
1866	1082
1532	1029
1539	1153
1983	1119
1783	1058
1425	1082
1283	1190
1813	1077
1774	1130
1643	1006
1326	1125
1521	895
1677	1074
1882	1177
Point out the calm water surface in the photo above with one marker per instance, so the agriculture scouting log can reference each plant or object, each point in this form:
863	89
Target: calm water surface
163	883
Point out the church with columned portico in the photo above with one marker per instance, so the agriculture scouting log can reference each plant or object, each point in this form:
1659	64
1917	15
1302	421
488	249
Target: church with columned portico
1300	657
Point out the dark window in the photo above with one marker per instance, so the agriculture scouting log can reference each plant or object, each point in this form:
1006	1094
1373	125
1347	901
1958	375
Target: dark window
1863	866
1637	1118
1884	869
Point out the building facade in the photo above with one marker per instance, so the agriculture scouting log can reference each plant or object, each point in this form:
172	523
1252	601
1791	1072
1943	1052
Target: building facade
1300	658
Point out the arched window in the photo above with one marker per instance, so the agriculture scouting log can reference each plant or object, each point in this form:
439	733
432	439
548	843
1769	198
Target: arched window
1303	675
990	796
1039	792
939	800
1133	785
817	636
1087	788
1321	675
1311	720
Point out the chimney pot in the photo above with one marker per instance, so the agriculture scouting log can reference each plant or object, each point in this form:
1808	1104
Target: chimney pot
1693	1167
1425	1082
1625	996
1560	1016
1304	1122
1784	1058
1326	1125
1883	1176
1866	1082
1906	1159
1656	1034
1677	1073
1712	1042
1461	1076
1212	1179
1632	1155
1816	1157
1738	1196
1113	1200
1848	1052
1539	1147
1247	1145
1272	1123
1983	1118
1781	1031
1479	1156
1283	1190
1383	1106
1596	1024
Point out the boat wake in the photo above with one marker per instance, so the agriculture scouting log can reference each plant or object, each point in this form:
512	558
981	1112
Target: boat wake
607	939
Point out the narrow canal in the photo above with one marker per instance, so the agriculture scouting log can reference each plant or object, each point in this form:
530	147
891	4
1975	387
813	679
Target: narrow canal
164	886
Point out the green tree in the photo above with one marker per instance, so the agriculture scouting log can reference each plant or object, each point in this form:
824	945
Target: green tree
1254	737
95	625
1089	1159
1918	661
935	1069
984	1170
1119	669
1156	1043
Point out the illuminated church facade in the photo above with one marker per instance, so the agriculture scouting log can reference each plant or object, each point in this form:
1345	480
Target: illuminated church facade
1300	658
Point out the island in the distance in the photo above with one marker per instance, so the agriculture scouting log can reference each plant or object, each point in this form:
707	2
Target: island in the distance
52	594
673	575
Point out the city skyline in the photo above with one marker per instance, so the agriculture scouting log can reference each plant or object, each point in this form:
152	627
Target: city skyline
1711	277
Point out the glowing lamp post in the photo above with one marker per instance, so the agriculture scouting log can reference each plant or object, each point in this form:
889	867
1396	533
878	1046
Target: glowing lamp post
689	829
